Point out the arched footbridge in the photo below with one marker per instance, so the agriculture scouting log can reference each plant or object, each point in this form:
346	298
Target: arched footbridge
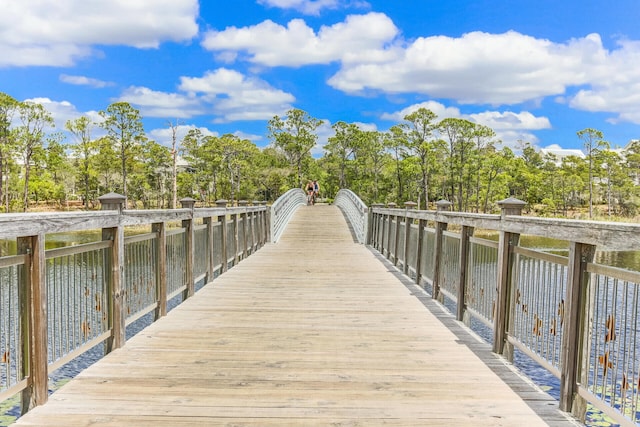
314	315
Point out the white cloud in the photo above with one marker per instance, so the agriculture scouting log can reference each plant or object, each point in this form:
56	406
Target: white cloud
475	68
234	96
504	120
161	104
616	85
510	127
478	67
84	81
358	38
58	33
439	109
164	136
63	111
312	7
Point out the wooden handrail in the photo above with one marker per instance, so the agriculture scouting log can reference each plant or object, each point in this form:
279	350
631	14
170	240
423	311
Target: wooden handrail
574	322
30	267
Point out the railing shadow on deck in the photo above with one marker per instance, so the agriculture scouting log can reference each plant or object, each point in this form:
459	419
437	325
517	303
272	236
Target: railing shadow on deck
577	319
59	304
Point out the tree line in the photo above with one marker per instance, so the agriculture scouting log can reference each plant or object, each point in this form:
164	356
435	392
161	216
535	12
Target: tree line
422	159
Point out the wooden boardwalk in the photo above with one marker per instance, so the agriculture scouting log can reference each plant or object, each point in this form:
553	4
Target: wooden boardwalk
315	330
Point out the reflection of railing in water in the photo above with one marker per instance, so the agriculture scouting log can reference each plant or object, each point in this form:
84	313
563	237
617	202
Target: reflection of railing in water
577	319
88	294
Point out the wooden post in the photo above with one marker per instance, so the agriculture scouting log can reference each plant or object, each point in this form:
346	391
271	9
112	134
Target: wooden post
573	336
392	245
33	309
236	232
117	310
375	219
161	273
211	265
465	235
189	244
506	244
266	223
255	229
223	235
441	206
245	224
420	245
407	235
385	233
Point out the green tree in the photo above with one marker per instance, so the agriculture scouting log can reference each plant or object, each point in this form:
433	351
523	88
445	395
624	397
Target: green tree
123	124
83	151
295	136
342	147
458	133
8	108
424	146
593	142
31	135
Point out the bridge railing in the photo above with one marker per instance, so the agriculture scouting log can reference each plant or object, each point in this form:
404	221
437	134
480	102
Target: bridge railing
355	211
283	209
577	318
58	304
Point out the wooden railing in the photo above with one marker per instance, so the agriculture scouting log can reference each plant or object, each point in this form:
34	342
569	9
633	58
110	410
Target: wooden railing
57	304
576	318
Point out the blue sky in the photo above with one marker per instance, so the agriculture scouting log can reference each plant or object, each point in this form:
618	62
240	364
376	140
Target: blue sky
536	71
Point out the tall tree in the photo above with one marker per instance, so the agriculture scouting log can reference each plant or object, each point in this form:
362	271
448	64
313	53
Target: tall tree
8	108
31	134
458	133
422	144
123	124
342	147
83	150
593	142
295	136
174	155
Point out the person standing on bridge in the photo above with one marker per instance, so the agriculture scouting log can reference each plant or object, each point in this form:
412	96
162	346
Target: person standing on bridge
316	190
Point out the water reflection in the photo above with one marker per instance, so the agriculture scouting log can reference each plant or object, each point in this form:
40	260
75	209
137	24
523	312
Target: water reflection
621	259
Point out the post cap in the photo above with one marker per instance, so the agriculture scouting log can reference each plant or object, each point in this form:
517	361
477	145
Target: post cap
222	203
511	206
443	205
188	203
112	201
410	205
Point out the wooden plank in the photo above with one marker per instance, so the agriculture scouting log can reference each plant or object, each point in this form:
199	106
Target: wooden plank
315	330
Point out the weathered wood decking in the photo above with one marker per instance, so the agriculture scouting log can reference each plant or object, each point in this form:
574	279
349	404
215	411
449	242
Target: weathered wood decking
314	330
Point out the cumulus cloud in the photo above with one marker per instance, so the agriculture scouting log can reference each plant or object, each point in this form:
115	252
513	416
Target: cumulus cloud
510	127
63	111
312	7
58	33
161	104
475	68
359	38
479	67
615	87
164	136
234	96
439	109
84	81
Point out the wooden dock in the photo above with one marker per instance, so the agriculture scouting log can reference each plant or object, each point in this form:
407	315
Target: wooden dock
314	330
